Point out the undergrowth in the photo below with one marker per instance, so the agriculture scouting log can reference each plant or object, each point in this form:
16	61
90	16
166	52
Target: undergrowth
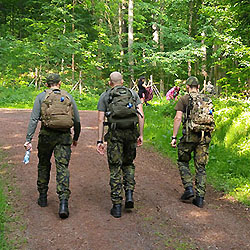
11	219
23	97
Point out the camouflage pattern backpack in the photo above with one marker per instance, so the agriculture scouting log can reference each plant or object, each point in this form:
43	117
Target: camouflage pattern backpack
57	110
122	110
199	114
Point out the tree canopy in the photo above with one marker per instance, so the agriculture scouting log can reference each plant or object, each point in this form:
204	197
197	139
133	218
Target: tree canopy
169	39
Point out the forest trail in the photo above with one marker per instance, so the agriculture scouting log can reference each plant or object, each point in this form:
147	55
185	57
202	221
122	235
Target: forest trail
159	221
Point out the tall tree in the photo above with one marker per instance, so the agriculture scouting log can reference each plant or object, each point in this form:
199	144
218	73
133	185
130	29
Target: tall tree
131	37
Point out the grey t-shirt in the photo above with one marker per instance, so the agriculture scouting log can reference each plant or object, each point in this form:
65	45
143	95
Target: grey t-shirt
36	115
103	101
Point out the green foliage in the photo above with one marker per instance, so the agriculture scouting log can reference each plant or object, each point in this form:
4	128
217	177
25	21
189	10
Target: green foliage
13	97
10	215
47	34
3	219
159	125
237	135
229	150
233	125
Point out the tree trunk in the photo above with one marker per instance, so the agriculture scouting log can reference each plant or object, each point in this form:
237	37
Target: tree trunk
191	5
130	38
64	30
73	29
204	59
162	75
155	33
121	23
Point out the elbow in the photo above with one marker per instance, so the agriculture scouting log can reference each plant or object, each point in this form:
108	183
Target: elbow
177	119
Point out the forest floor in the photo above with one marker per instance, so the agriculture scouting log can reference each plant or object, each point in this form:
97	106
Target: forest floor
158	221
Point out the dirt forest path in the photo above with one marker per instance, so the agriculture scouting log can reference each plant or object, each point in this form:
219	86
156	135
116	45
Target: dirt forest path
159	221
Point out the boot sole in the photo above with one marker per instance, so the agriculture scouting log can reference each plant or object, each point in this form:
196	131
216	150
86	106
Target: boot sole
187	197
42	204
129	204
115	215
63	215
198	204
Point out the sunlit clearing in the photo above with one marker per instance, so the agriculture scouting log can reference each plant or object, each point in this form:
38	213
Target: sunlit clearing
91	128
6	147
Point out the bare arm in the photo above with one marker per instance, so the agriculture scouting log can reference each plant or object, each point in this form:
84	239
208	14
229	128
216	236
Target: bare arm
141	125
100	146
177	124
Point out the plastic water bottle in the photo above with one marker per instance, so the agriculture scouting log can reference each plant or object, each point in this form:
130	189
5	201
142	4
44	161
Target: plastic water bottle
210	112
130	105
26	158
62	99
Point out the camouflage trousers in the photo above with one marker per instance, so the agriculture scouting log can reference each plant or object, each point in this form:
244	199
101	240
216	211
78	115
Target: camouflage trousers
200	153
59	143
121	152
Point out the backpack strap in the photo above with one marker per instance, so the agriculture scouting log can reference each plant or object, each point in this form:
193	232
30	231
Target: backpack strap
47	93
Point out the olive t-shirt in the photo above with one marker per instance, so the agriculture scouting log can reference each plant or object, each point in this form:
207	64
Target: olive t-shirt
103	101
182	103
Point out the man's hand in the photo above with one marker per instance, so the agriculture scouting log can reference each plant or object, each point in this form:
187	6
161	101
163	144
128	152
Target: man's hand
100	148
139	141
173	143
74	143
28	146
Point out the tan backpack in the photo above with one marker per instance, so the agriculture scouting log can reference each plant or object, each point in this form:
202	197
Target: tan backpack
57	110
199	114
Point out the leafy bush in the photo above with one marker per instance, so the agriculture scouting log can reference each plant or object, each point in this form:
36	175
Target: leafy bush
237	135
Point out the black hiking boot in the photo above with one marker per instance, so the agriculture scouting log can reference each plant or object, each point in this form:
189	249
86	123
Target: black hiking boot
129	202
42	200
116	210
198	201
188	193
63	209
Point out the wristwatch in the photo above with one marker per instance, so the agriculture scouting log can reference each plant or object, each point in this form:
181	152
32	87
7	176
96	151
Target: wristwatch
99	142
174	137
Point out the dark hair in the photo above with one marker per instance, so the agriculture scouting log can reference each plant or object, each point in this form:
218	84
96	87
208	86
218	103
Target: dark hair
52	83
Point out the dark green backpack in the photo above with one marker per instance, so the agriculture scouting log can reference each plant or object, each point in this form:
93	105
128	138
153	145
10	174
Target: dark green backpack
57	110
122	111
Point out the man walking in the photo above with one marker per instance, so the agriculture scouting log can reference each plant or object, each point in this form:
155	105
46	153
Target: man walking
196	138
58	112
123	109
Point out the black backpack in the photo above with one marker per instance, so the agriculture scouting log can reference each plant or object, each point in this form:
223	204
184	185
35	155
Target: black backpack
122	111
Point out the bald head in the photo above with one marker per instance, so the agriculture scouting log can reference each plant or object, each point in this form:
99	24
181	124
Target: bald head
116	78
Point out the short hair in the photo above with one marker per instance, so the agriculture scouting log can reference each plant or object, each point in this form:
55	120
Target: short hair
115	77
